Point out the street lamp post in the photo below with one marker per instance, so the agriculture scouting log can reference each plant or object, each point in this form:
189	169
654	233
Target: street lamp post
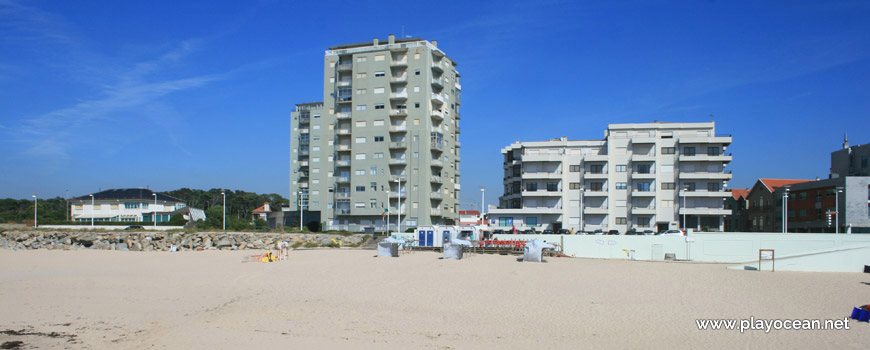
35	219
399	195
155	211
482	201
92	210
785	211
685	223
837	209
387	223
224	194
301	206
582	192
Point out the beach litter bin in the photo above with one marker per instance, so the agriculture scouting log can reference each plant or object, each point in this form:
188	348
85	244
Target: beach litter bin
533	251
388	249
453	250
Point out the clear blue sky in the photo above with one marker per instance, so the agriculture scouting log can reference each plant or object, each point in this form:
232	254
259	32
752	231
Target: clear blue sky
171	94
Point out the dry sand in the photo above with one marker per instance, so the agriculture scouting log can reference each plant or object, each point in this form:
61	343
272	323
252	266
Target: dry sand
347	299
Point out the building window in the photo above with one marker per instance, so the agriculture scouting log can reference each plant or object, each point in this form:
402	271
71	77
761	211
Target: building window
379	74
379	155
417	72
802	195
359	205
688	151
803	212
575	185
596	186
531	186
416	104
360	188
374	170
667	150
379	139
360	172
713	186
505	221
379	106
620	168
643	168
620	221
621	186
642	186
531	221
712	151
379	90
360	140
574	168
360	75
379	57
361	107
373	203
552	186
360	91
361	59
373	186
667	185
596	169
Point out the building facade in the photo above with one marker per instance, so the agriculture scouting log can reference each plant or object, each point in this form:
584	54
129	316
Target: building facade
738	204
125	205
387	132
851	160
765	205
640	176
814	206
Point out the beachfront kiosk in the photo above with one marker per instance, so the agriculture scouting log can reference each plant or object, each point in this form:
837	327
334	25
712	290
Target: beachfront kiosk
436	236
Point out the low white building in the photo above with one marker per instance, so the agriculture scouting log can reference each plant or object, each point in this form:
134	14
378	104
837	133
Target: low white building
641	176
124	205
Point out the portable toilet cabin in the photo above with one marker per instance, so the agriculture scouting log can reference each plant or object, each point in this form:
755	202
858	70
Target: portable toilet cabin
435	236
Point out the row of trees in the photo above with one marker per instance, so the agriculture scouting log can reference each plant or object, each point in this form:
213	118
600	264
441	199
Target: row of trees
239	206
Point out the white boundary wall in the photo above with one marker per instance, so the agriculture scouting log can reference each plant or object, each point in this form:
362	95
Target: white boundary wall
109	227
795	252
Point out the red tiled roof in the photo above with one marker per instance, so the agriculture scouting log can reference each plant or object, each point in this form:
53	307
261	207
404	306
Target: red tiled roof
737	193
469	212
772	184
262	209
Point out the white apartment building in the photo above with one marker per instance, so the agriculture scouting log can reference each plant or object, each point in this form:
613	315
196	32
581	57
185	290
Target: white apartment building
640	176
126	205
384	143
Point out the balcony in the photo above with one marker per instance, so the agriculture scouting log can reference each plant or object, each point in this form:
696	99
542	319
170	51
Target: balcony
344	66
398	145
458	173
436	65
638	175
458	144
399	63
342	163
342	179
642	140
725	140
542	175
436	195
436	179
343	83
398	128
439	82
542	157
458	87
399	112
435	212
303	163
636	193
705	176
342	115
458	130
595	193
399	96
705	158
708	194
638	157
304	120
437	115
437	98
591	175
400	79
541	193
436	163
595	158
394	194
344	99
706	211
643	210
342	211
458	158
303	131
394	161
595	210
303	174
342	148
437	146
342	131
303	152
303	185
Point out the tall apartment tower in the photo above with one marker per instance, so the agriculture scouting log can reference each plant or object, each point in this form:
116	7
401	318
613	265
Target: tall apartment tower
637	177
386	132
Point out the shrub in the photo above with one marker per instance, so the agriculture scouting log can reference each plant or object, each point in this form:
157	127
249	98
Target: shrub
311	245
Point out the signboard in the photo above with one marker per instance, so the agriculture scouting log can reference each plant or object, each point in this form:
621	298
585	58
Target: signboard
766	254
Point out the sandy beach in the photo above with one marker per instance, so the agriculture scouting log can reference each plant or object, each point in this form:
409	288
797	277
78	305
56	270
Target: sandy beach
347	299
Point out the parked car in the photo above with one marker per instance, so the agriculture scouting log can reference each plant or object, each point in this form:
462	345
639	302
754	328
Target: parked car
672	233
547	232
632	232
498	232
597	232
648	232
529	232
134	227
564	231
613	232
